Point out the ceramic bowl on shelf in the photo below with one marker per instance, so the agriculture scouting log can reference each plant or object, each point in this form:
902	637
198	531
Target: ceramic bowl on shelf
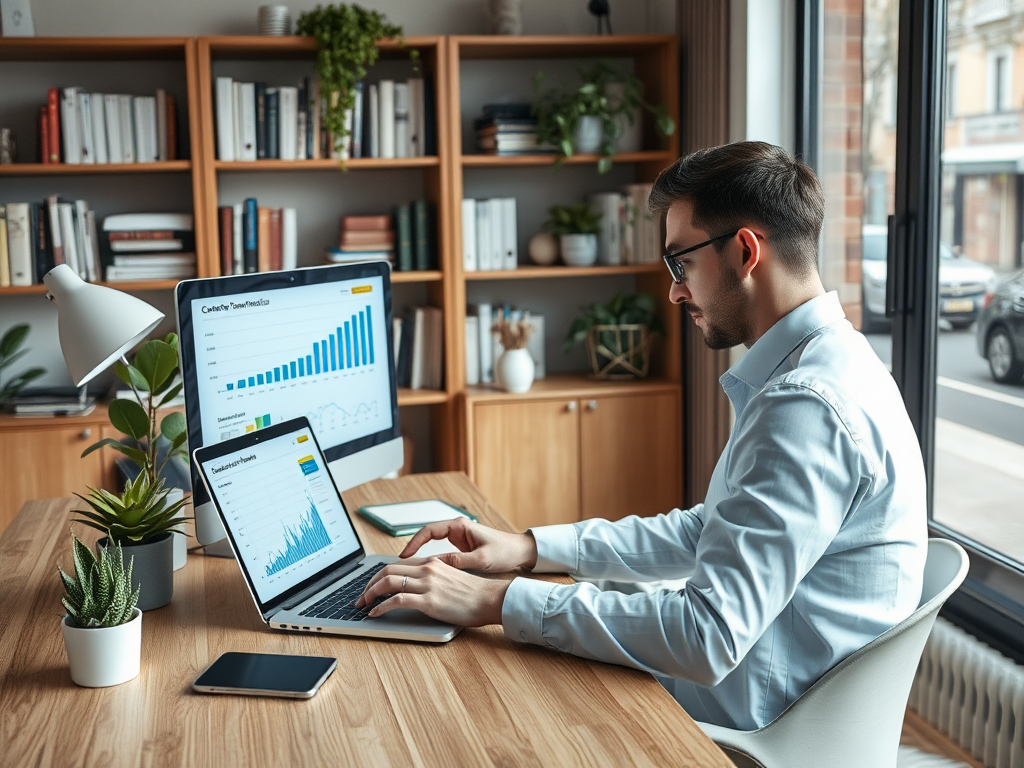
579	250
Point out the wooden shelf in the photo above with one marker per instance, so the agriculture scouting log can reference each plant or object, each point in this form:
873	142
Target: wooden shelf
572	385
417	276
556	46
68	169
421	397
505	161
297	47
133	285
357	164
95	48
530	273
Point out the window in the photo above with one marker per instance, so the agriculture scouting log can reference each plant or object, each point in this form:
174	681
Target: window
997	94
951	86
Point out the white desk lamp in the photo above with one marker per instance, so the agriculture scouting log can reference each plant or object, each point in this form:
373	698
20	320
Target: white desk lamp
96	325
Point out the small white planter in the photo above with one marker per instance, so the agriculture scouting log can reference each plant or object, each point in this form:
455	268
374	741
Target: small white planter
103	656
515	370
579	250
587	139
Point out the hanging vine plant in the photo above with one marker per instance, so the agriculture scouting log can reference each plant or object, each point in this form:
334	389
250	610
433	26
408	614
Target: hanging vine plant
346	40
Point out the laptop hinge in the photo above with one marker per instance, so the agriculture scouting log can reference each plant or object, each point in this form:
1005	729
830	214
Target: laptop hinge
312	589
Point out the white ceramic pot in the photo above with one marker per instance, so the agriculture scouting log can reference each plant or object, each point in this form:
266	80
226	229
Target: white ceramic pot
180	540
543	249
579	250
516	370
587	138
103	656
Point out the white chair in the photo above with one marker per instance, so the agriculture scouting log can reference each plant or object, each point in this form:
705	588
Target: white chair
853	716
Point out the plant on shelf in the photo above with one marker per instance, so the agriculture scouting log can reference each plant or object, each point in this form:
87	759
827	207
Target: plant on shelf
593	117
10	353
103	626
576	227
617	335
346	40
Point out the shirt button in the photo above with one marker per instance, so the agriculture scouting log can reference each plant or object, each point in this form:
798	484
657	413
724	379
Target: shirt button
524	635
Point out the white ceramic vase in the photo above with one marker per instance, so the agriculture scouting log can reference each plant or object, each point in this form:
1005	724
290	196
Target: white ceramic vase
515	370
102	656
180	540
587	138
579	250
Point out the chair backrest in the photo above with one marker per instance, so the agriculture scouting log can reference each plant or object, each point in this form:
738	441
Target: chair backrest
853	716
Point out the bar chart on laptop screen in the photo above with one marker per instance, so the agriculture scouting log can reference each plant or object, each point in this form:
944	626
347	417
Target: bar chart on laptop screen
317	351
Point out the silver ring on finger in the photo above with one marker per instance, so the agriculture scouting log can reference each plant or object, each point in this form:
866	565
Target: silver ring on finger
405	581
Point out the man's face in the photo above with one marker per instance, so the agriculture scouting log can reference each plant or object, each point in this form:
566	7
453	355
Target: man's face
712	291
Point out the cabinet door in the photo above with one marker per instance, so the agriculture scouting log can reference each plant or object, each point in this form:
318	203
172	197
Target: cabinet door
44	463
630	455
526	460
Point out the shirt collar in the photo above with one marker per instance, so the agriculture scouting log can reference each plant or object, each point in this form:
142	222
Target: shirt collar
765	355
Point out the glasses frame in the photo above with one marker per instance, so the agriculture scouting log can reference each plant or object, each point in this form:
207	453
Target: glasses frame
677	270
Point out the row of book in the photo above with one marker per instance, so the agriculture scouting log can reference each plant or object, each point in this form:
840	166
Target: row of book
256	238
483	347
36	237
490	234
508	129
629	233
407	238
81	128
419	348
260	122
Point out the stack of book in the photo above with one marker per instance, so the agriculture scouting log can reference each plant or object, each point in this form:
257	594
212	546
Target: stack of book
149	246
483	346
254	238
416	236
640	235
36	237
419	353
83	128
260	122
508	129
490	234
363	238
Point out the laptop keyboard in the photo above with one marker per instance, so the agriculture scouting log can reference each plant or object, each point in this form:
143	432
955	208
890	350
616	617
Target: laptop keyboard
340	604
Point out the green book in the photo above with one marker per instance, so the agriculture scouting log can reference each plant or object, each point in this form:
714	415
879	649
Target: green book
407	517
423	235
403	233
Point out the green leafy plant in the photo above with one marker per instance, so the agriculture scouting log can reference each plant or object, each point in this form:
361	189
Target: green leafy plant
10	353
137	516
558	111
346	39
638	309
100	594
579	219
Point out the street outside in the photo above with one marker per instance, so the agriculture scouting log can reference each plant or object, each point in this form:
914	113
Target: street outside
979	445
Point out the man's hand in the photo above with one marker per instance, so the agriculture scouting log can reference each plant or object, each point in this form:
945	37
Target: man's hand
482	548
438	590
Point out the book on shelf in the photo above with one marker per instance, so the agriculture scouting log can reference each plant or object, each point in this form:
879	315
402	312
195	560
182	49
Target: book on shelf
289	239
490	234
472	350
419	353
508	129
374	121
255	238
609	241
483	313
403	231
386	120
19	244
469	257
148	246
5	262
262	239
250	241
225	119
423	235
401	119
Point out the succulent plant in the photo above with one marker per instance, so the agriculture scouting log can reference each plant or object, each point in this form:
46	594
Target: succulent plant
100	594
137	516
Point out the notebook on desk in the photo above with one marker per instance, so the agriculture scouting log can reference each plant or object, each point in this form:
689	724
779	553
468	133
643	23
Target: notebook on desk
293	540
406	517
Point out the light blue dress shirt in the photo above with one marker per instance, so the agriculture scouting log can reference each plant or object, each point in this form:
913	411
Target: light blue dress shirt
810	543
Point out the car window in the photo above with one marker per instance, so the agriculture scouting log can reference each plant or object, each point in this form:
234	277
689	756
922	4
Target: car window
874	247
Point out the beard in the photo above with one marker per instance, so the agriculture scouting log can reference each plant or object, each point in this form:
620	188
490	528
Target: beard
727	324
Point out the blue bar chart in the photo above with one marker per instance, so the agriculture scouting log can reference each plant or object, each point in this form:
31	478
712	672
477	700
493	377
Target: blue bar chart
301	541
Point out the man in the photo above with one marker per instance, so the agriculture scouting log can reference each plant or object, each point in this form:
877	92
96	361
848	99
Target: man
812	538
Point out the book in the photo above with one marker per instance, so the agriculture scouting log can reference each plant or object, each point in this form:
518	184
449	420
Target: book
309	111
274	232
42	258
262	239
225	119
407	517
469	262
98	118
146	246
423	234
5	259
53	219
128	222
116	274
403	370
172	128
401	120
112	118
127	128
289	239
69	238
484	312
374	118
53	125
247	121
69	126
509	234
89	259
386	121
357	121
237	239
92	232
497	246
288	117
354	223
368	237
396	335
260	90
483	235
19	244
429	117
161	124
224	223
85	137
273	124
236	109
301	121
472	350
417	119
345	256
609	205
403	230
44	136
250	244
314	110
154	260
435	348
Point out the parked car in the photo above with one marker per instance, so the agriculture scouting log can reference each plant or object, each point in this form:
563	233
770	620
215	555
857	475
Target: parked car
962	283
1000	331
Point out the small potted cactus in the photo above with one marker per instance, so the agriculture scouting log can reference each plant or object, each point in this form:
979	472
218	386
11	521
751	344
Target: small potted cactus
103	626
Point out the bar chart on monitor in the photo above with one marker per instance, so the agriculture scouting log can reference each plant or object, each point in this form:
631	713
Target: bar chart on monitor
291	354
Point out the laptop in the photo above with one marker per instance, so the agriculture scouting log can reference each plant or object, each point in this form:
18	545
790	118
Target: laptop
292	537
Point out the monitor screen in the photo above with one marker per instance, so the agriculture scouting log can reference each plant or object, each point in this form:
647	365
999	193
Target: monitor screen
261	349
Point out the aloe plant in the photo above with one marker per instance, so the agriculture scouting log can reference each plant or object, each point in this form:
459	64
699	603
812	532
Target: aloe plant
100	594
137	516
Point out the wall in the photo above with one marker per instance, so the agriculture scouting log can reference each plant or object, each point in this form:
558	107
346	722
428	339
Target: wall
193	17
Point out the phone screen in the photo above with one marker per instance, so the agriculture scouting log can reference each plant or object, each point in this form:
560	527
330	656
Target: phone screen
265	673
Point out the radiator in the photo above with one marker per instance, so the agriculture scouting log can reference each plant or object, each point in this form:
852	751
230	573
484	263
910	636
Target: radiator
973	695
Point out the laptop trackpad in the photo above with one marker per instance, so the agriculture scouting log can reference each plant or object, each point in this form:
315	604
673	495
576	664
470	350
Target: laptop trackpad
407	618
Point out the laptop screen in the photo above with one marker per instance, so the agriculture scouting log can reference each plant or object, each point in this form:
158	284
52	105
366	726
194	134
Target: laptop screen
281	509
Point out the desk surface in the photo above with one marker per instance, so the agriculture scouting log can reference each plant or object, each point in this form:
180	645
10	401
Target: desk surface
479	700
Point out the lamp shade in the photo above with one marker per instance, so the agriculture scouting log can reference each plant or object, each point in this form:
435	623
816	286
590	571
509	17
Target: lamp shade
96	325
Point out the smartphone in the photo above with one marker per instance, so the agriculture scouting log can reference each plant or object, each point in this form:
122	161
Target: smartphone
266	674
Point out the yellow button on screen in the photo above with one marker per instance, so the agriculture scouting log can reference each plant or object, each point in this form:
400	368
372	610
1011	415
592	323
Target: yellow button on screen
362	289
302	438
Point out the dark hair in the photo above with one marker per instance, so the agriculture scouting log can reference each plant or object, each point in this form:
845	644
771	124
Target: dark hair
749	183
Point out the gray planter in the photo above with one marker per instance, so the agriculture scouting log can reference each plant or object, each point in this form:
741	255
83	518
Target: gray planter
152	571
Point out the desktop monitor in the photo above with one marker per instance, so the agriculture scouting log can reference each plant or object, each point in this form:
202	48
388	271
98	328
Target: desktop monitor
263	348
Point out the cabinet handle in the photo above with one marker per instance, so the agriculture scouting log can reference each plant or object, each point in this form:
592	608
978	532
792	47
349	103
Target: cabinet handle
591	405
86	433
571	405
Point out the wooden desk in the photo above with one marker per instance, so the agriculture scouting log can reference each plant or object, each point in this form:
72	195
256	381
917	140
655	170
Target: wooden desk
479	700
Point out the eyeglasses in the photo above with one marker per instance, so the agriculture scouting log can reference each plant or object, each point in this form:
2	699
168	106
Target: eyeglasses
677	268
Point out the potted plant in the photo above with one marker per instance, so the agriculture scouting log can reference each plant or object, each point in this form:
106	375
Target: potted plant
617	334
143	518
9	354
576	227
102	627
593	117
346	39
